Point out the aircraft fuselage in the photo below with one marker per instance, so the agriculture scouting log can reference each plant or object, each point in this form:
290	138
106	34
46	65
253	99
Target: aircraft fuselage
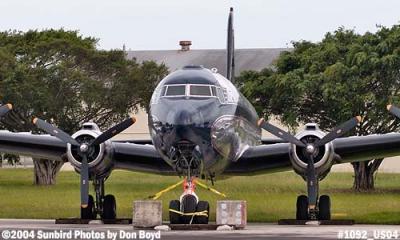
199	122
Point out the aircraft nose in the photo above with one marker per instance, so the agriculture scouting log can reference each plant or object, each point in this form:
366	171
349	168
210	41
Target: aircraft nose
185	117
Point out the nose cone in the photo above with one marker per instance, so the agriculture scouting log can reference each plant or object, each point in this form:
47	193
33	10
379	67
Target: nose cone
185	117
178	127
182	123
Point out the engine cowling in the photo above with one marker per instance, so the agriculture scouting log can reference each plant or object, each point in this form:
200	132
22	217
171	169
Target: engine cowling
99	157
323	159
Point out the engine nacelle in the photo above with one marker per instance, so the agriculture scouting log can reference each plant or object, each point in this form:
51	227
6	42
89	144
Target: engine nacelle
99	157
323	160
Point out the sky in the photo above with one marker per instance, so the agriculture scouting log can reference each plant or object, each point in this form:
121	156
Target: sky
161	24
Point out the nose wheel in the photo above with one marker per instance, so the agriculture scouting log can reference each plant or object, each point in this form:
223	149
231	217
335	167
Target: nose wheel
189	210
174	208
188	215
202	206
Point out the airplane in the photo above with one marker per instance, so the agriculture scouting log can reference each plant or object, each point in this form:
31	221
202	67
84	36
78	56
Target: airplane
201	126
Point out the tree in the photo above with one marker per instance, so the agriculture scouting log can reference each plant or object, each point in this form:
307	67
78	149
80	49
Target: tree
11	159
62	77
344	75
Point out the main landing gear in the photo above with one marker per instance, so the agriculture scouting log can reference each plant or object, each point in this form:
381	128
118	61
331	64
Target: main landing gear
104	205
188	209
310	207
322	212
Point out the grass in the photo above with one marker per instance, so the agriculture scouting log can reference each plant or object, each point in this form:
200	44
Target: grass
269	197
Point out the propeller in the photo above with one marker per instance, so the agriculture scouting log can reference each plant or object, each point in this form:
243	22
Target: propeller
5	109
311	149
339	131
280	133
58	133
84	148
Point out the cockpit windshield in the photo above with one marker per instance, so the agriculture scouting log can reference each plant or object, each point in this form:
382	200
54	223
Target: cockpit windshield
175	90
193	91
199	90
189	90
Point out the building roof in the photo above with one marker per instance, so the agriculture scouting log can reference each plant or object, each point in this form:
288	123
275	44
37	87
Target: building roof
245	59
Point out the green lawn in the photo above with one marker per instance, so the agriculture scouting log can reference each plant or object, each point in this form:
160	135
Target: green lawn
269	197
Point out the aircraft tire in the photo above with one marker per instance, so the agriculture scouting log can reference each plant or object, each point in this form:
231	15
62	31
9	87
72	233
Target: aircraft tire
202	206
109	207
89	212
302	208
174	218
189	204
324	206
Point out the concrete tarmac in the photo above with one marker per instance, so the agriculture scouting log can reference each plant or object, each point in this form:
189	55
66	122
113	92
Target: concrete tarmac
252	231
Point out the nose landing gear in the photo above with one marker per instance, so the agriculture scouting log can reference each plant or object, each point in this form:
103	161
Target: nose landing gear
189	209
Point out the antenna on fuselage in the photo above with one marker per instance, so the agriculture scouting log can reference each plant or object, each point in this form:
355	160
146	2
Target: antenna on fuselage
230	49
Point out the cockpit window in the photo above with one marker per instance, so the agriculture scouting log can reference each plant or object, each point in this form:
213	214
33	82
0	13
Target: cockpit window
214	91
175	90
198	90
194	90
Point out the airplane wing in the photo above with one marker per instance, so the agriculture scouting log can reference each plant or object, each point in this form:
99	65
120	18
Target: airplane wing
271	140
36	146
141	158
362	148
261	159
133	155
276	157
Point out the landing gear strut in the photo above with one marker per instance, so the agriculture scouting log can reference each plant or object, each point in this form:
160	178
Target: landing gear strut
310	207
189	209
105	205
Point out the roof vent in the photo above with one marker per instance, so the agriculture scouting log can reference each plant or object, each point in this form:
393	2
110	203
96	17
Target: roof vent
193	67
185	45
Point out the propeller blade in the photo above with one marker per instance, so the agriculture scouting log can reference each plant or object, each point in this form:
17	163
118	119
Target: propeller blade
50	129
338	131
394	110
280	133
113	131
4	109
84	182
312	184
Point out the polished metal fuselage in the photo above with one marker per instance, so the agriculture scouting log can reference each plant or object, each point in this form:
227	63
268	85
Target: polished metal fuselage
201	133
